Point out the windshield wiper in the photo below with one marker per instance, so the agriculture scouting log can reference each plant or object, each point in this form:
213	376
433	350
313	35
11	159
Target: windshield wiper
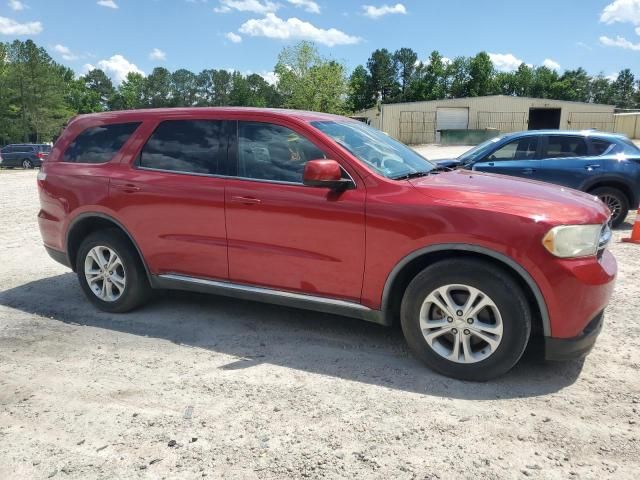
408	176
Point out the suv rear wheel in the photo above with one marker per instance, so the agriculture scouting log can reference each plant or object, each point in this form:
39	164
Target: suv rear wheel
27	164
466	319
616	201
110	272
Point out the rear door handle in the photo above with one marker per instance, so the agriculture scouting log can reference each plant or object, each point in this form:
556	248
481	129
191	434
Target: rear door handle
592	167
245	200
126	187
528	171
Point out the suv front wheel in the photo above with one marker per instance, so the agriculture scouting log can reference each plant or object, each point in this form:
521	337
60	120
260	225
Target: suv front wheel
466	319
110	272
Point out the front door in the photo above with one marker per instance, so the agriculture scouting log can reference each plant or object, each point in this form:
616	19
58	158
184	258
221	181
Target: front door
283	234
517	158
172	200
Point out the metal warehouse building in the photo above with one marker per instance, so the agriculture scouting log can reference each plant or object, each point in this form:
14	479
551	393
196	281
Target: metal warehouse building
420	122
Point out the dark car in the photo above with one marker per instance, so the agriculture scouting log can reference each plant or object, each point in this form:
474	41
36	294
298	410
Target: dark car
25	155
322	212
604	164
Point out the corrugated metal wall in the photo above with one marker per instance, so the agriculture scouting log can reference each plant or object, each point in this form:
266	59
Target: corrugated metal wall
508	114
629	124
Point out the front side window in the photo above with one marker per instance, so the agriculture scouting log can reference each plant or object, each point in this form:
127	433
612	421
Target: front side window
190	146
522	149
380	152
99	144
272	152
565	147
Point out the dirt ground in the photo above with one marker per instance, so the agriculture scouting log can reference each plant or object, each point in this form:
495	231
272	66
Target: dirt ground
194	386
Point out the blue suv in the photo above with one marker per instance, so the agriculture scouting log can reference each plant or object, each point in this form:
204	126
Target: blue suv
604	164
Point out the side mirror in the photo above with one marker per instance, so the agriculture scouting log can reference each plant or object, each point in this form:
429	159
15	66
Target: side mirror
325	174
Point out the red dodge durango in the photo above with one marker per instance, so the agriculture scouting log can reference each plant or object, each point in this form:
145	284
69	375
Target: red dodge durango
322	212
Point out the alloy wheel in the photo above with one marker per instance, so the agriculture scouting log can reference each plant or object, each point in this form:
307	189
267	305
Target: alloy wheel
26	164
105	273
613	203
461	323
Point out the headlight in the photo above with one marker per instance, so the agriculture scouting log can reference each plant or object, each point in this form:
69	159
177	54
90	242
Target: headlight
570	241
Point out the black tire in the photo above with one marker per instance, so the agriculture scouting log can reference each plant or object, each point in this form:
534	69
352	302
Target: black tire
27	164
615	200
136	291
494	282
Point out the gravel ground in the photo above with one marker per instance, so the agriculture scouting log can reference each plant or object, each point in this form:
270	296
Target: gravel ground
194	386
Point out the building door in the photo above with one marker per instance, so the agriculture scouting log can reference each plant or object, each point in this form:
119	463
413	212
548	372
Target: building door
544	118
451	119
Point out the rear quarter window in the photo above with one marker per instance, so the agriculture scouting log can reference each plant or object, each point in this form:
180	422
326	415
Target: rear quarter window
99	144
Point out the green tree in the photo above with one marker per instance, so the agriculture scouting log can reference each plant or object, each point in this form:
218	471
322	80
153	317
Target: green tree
309	82
458	74
623	89
382	74
131	93
602	90
158	88
360	96
99	90
184	88
405	64
480	75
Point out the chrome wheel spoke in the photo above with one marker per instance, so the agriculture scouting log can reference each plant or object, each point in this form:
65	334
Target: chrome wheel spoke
461	323
434	334
105	273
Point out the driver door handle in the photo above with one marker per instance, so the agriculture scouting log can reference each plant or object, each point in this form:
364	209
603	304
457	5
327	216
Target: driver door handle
528	171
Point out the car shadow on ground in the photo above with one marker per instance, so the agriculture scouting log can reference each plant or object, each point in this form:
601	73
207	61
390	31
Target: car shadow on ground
258	333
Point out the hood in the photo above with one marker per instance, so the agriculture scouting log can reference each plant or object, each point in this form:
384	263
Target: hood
536	200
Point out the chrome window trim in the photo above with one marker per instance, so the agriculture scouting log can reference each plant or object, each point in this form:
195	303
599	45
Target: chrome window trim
235	177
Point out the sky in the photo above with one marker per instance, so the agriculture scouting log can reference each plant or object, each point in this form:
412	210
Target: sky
246	35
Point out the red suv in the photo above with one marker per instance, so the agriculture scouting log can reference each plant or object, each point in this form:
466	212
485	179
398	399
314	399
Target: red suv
322	212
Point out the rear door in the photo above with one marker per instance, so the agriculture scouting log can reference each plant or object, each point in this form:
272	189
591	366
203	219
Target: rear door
568	160
172	200
518	158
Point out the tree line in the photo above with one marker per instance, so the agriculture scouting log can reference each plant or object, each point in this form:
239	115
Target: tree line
39	95
399	77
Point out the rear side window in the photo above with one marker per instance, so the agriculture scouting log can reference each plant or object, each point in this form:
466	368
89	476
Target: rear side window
565	147
600	147
190	146
99	144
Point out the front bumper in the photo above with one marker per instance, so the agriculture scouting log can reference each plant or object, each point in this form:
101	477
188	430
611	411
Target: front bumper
576	347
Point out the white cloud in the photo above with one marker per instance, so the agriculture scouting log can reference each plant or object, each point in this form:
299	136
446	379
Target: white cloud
65	53
254	6
551	64
233	37
272	26
108	3
16	5
505	62
620	42
158	55
377	12
9	26
117	67
309	5
270	77
623	11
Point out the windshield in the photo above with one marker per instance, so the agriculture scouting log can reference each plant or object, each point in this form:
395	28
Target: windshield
479	150
382	153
